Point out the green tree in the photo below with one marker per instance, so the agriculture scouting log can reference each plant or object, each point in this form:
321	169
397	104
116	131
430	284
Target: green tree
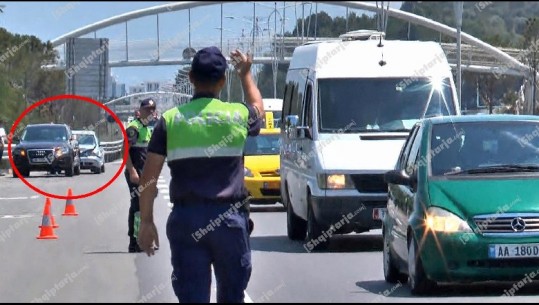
22	81
531	45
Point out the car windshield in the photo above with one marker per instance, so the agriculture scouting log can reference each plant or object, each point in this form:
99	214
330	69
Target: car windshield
381	104
86	139
45	134
263	144
480	147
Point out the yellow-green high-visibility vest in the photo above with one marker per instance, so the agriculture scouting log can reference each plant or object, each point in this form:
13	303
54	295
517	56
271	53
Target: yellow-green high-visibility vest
206	127
144	134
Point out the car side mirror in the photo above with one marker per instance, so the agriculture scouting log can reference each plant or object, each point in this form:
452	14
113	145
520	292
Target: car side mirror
398	177
16	139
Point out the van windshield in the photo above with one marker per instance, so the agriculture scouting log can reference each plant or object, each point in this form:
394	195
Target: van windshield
381	104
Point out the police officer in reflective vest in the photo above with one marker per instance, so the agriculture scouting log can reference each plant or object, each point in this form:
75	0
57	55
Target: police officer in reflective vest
139	137
203	143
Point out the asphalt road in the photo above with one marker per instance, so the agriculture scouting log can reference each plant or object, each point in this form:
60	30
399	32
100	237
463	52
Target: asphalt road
89	260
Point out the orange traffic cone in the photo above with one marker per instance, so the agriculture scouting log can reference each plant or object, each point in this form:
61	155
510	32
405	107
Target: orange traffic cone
47	231
70	207
53	222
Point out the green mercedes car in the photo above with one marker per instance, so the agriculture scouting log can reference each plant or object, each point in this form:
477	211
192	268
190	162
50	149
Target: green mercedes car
463	202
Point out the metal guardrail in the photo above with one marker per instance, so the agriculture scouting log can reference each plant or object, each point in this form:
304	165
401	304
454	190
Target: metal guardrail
113	150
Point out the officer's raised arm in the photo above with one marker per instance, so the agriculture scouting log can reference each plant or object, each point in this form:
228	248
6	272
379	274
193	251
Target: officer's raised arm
242	63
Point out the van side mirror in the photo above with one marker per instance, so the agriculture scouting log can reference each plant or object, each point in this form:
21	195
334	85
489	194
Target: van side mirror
293	130
291	122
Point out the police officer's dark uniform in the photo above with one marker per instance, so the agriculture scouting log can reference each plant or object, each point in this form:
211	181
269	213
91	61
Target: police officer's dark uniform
139	136
203	142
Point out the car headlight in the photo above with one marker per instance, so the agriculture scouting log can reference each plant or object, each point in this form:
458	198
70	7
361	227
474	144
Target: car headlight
59	151
96	153
440	220
247	172
335	181
20	151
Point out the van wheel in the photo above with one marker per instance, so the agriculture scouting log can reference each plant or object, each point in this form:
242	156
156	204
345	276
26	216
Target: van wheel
295	226
103	168
314	230
77	170
419	283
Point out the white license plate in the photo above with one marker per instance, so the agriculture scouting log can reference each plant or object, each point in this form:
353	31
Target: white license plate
513	250
379	213
39	160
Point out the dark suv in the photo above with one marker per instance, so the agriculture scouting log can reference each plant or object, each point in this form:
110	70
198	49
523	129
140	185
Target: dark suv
47	147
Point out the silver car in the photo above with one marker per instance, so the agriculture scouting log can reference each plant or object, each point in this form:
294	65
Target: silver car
92	155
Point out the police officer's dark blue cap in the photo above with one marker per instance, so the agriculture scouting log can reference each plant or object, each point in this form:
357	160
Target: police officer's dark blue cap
209	64
149	102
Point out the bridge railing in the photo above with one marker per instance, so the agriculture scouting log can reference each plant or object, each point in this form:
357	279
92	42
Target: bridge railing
113	151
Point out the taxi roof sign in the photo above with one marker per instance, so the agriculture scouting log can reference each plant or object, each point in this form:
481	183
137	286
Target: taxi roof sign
269	120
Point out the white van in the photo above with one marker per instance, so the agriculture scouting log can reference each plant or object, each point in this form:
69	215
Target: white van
348	107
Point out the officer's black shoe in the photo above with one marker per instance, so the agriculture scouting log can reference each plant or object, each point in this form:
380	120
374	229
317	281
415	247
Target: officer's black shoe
134	247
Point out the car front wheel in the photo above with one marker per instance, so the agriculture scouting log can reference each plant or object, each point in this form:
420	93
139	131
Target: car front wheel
419	283
24	172
70	170
391	273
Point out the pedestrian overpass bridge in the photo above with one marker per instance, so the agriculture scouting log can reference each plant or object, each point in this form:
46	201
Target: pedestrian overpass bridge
476	55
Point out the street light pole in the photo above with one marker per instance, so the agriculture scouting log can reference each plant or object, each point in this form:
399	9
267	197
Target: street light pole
254	27
458	6
221	27
534	84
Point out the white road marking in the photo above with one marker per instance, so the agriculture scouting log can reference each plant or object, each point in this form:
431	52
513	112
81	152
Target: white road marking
166	197
15	198
164	191
161	181
247	298
162	186
16	216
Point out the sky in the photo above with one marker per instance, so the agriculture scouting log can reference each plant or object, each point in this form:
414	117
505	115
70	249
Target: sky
49	20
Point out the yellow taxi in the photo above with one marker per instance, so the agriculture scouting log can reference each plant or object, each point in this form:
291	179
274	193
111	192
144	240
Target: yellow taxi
262	178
